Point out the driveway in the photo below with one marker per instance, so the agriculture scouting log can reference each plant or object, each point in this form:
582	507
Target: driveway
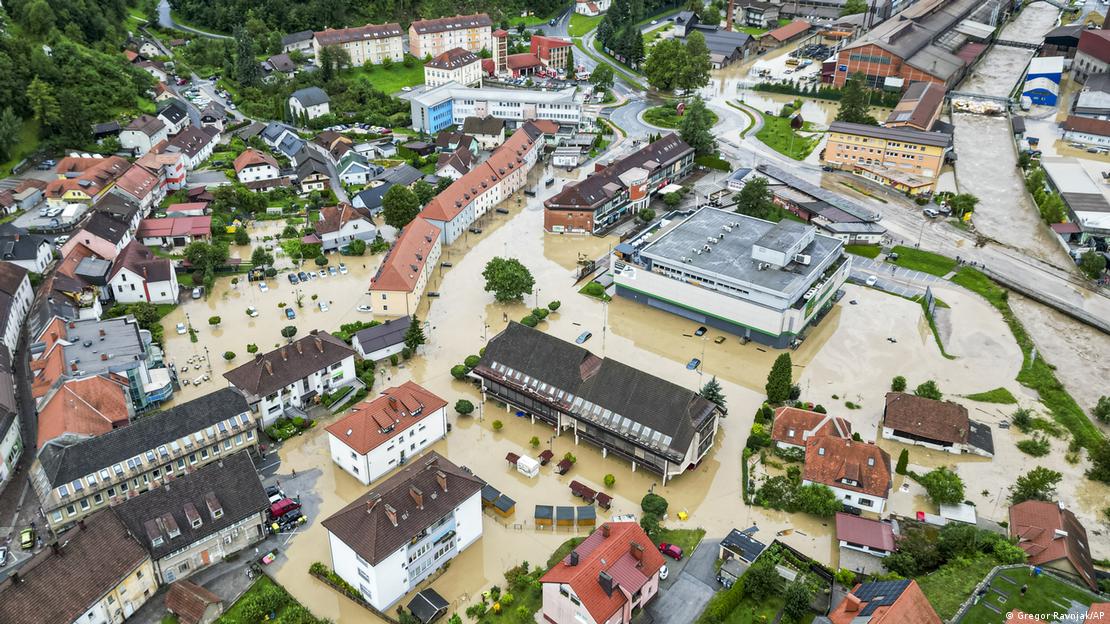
688	588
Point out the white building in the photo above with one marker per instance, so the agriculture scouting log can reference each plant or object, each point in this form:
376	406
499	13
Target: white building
400	532
451	103
339	225
377	436
591	7
11	442
288	377
29	251
857	472
381	341
455	65
15	300
256	166
309	103
139	275
372	43
143	133
436	36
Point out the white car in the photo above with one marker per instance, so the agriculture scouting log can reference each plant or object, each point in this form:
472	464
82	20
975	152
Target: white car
406	89
343	269
263	287
252	311
871	280
663	572
654	22
181	328
323	306
364	308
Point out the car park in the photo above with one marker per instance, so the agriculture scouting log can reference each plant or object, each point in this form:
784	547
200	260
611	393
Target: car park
673	551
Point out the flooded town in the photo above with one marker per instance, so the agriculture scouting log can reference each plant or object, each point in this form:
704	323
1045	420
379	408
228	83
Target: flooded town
573	312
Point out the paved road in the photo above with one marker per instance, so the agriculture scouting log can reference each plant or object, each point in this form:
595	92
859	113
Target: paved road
688	588
165	20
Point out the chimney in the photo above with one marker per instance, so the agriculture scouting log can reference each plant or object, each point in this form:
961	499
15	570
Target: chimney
1059	533
573	558
103	357
606	583
284	355
269	367
73	367
851	603
441	479
417	495
605	530
56	548
319	345
102	333
392	403
257	357
637	552
81	524
391	513
300	348
53	336
372	502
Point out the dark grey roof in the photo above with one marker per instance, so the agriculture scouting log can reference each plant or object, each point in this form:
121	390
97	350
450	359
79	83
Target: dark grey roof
297	37
11	277
308	163
106	226
980	436
724	42
850	210
879	594
483	125
270	372
21	246
908	135
404	175
311	96
233	481
382	336
173	110
599	187
64	463
684	17
371	198
116	205
428	606
743	544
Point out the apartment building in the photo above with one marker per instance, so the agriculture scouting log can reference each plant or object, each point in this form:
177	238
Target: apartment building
450	104
76	477
436	36
903	158
372	43
396	289
16	295
455	65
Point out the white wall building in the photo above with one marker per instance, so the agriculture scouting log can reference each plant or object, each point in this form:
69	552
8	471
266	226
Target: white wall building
451	103
15	300
372	43
139	275
310	103
456	65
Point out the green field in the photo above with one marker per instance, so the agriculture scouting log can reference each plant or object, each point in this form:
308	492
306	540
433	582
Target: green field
777	134
26	142
390	81
247	610
924	261
665	116
867	251
687	539
998	395
581	24
1046	594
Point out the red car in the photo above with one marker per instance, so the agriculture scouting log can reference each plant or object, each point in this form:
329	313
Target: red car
284	506
671	550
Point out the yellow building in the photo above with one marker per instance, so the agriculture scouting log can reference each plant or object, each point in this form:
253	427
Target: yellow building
909	160
435	36
372	43
397	288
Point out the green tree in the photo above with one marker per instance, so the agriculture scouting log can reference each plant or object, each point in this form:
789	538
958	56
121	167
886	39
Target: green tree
424	192
1100	463
261	257
853	7
754	199
898	384
570	67
1037	484
903	462
507	279
694	71
649	522
326	62
534	442
709	16
796	599
602	76
357	247
10	125
762	580
664	64
672	199
248	73
654	504
854	98
817	499
929	390
38	18
1102	409
610	480
464	407
780	379
944	486
1093	264
646	214
44	106
400	206
414	335
962	204
712	391
289	331
696	127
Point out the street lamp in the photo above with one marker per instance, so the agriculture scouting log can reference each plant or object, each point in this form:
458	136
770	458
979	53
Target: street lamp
537	297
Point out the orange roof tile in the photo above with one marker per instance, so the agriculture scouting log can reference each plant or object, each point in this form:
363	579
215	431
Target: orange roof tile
253	157
87	407
831	460
1048	532
795	426
885	602
372	423
402	266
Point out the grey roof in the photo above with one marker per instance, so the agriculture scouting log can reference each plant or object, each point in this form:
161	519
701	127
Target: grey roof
297	37
371	198
311	96
173	110
21	246
1094	98
106	226
273	131
404	174
846	210
724	42
119	206
610	386
382	336
783	236
743	544
906	135
483	125
233	481
270	372
102	346
980	436
64	463
599	187
879	594
308	163
428	606
731	257
684	16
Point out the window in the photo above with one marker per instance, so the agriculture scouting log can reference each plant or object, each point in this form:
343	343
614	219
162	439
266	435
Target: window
84	504
363	575
71	511
98	499
63	490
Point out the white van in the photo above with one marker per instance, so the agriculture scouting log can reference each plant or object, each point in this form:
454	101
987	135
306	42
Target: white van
528	467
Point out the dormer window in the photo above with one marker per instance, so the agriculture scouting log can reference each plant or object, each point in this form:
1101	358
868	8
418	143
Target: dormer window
821	451
870	461
790	433
63	490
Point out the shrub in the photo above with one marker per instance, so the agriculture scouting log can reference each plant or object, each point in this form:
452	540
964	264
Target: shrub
271	272
898	384
321	261
1037	446
653	503
1022	419
929	390
540	313
846	577
252	348
498	425
903	461
471	361
530	321
554	305
535	442
820	409
229	355
213	320
393	359
459	371
570	457
610	480
406	353
464	407
649	522
594	289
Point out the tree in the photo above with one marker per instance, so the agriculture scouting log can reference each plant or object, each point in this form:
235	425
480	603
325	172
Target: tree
779	379
709	16
289	331
817	499
854	102
10	124
712	391
424	192
672	199
695	127
944	486
570	63
898	384
962	204
1092	263
853	7
38	18
917	553
357	247
1102	409
754	199
1100	463
534	442
649	522
247	70
327	63
903	462
214	320
796	599
464	407
602	76
664	64
928	390
498	425
762	580
229	355
261	257
1037	484
414	336
653	503
400	206
507	279
44	106
694	72
610	480
647	215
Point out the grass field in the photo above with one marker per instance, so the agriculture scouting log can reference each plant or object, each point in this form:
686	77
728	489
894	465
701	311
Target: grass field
239	613
949	586
390	81
866	251
924	261
581	24
26	142
687	539
1046	594
998	395
777	134
665	116
563	550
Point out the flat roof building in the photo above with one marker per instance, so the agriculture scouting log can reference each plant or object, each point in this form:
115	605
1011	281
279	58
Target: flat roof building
761	280
451	103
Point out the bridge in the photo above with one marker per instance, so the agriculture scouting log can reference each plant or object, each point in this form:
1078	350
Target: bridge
953	95
1017	44
1063	6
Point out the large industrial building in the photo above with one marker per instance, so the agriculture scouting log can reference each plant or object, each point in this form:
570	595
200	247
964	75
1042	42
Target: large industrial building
450	103
760	280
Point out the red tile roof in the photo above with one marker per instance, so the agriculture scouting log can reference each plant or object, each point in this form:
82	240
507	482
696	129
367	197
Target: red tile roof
187	207
524	60
142	262
896	603
1095	43
791	30
830	460
253	157
333	218
459	22
137	182
1087	125
372	423
454	58
96	173
627	554
795	426
936	420
175	226
870	533
508	157
85	407
402	266
188	601
1048	532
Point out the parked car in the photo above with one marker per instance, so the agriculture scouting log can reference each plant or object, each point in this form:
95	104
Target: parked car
290	314
283	507
931	213
61	240
871	279
197	292
849	509
293	279
663	572
671	550
27	538
700	331
693	364
303	276
323	273
252	311
323	306
263	287
583	337
181	329
364	308
333	271
342	268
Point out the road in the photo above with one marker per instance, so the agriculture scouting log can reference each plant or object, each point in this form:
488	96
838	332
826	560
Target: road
165	20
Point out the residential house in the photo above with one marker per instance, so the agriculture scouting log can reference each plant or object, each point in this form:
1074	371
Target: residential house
455	164
1087	130
903	158
282	139
156	69
11	438
1093	54
369	44
289	377
793	426
864	543
174	231
488	131
331	145
187	209
16	295
193	143
405	528
193	604
591	8
254	168
919	107
83	180
85	407
396	289
857	472
436	36
103	233
312	172
725	46
122	208
279	63
448	141
370	199
162	92
939	425
611	574
175	114
885	602
551	51
309	103
204	517
381	341
684	23
374	437
95	574
213	116
339	225
300	41
756	14
455	65
32	252
740	545
142	186
75	477
651	422
143	133
169	167
403	174
1054	538
355	169
27	194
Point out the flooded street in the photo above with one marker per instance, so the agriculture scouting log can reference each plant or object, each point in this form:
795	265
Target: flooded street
998	73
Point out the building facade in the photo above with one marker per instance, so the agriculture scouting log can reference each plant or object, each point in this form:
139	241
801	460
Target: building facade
455	65
398	286
890	156
451	103
857	472
16	295
372	43
436	36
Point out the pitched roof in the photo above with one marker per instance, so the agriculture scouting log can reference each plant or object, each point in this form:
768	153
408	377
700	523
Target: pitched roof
146	124
831	460
61	587
602	185
388	334
742	543
1049	532
282	63
190	141
21	246
229	486
794	426
11	278
85	407
106	226
64	463
619	550
403	174
452	59
388	516
483	125
1087	125
333	218
370	424
136	258
937	420
478	20
1095	43
88	175
508	156
173	110
405	260
297	37
270	372
885	602
865	532
793	29
188	601
252	157
138	182
905	135
523	60
175	226
310	96
339	36
918	105
309	163
461	159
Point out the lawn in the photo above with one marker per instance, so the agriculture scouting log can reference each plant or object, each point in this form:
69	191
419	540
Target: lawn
924	261
390	81
247	610
867	251
563	550
582	24
595	290
1046	594
687	539
777	134
26	142
751	611
948	587
998	395
665	116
